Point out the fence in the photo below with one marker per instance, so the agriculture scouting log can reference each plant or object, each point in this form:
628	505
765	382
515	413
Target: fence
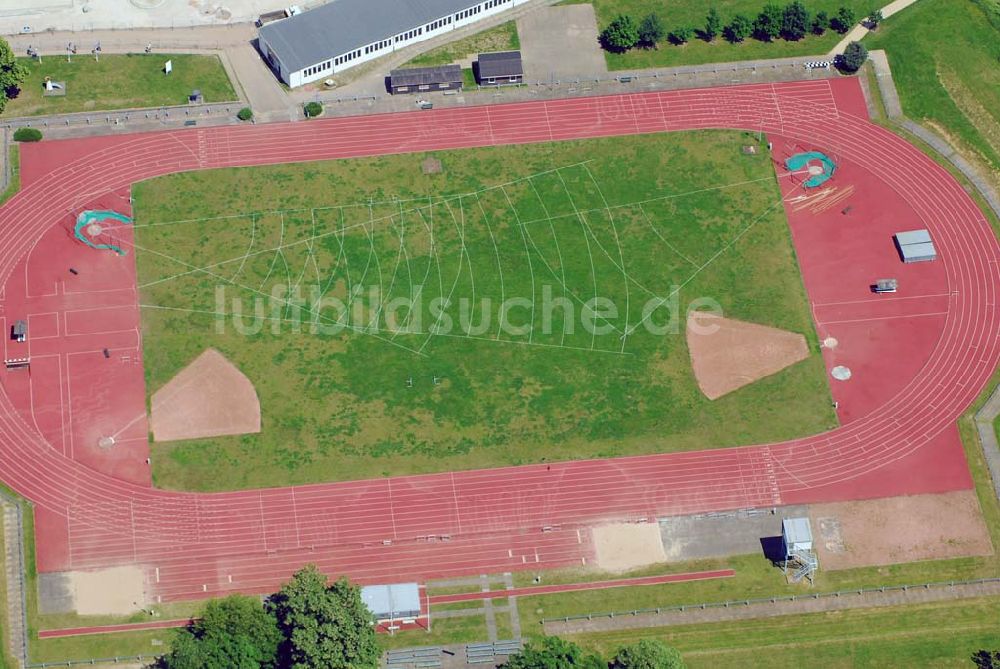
97	660
730	603
114	118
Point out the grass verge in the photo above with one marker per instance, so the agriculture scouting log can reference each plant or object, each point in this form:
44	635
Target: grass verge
14	185
944	59
501	38
697	51
127	81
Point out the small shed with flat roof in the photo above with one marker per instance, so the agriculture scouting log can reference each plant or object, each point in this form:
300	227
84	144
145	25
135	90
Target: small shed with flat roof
500	67
915	246
425	79
395	601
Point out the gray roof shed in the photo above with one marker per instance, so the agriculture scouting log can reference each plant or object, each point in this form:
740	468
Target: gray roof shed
500	64
341	26
417	76
797	533
396	600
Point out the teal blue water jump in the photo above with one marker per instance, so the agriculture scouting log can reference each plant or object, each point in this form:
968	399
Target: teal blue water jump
87	217
800	160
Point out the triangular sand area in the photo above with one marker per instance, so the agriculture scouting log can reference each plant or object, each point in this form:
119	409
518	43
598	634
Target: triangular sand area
208	398
727	354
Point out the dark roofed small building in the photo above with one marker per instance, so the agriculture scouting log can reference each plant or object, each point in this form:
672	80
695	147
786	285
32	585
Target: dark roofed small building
500	67
425	79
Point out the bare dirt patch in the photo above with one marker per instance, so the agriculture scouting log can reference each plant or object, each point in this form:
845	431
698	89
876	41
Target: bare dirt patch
899	529
208	398
727	354
115	591
624	546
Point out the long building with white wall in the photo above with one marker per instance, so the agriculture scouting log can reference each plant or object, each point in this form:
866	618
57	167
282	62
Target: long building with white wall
344	33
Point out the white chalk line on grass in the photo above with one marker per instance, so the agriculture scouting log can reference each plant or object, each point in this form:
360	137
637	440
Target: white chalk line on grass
285	301
715	256
621	253
549	219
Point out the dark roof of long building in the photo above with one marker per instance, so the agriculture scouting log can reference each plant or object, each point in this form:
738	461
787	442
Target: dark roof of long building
342	26
416	76
500	64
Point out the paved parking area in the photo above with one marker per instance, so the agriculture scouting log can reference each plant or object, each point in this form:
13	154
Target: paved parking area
561	42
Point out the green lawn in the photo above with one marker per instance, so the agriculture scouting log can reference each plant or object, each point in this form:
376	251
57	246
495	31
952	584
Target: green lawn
14	185
697	51
502	38
943	634
119	82
945	59
340	406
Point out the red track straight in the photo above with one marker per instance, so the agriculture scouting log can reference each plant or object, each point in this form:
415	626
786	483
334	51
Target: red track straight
898	439
112	629
594	585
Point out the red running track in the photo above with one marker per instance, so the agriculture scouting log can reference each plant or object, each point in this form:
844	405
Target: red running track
421	527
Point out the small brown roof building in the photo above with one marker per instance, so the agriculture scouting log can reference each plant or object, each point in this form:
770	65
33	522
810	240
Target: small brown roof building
425	79
500	67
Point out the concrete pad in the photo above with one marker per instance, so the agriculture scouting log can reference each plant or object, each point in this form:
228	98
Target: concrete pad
561	43
55	593
722	534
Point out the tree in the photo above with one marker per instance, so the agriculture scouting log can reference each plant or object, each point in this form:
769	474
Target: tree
313	109
647	654
874	18
324	626
27	135
681	34
12	74
245	114
738	29
844	20
853	58
713	24
553	653
620	35
820	23
794	21
984	659
768	23
232	633
651	30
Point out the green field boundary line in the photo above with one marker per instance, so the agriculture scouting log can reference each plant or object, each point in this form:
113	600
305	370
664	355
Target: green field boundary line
744	603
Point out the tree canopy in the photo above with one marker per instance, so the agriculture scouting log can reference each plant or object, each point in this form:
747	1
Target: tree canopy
324	626
794	21
713	24
621	34
844	20
854	57
12	74
651	30
681	34
232	633
739	28
768	23
820	23
554	653
647	654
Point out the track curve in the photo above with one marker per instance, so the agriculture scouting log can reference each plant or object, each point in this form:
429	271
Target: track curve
470	521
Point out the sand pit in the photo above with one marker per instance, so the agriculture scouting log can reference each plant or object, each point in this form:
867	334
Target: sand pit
115	591
727	354
625	546
899	529
208	398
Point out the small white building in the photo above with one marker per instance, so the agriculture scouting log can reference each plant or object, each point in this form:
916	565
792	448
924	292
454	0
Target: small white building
395	601
316	44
